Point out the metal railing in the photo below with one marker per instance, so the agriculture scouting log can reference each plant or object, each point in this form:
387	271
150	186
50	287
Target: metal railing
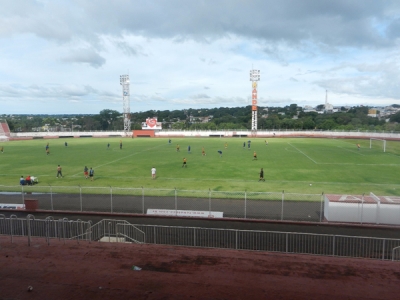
48	228
131	233
230	204
118	229
396	254
240	204
271	241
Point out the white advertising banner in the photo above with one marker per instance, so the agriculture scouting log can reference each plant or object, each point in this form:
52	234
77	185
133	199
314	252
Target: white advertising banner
185	213
12	206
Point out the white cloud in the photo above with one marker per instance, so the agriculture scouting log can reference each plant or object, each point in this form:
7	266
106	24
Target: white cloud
88	56
72	53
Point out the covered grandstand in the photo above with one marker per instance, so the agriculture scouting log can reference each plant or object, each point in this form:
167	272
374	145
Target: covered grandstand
4	130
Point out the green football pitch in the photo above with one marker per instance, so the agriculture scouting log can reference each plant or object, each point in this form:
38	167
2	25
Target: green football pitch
295	165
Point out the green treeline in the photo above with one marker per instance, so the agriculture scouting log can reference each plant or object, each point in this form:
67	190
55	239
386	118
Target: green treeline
291	117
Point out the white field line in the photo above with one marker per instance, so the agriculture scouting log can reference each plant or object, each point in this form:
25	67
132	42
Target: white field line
244	180
368	149
19	175
315	183
304	154
393	154
110	162
353	164
352	151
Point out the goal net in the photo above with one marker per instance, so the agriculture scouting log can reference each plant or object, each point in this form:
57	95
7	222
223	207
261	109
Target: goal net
378	144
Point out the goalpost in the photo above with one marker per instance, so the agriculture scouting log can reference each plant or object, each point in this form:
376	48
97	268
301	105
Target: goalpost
378	141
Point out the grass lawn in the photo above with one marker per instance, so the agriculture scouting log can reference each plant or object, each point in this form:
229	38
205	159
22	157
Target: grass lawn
290	164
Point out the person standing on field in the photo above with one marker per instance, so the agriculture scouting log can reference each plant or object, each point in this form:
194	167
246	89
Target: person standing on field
91	174
85	172
184	163
254	155
261	175
59	173
153	173
120	145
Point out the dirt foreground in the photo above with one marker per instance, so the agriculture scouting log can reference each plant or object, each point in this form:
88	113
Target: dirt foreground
106	271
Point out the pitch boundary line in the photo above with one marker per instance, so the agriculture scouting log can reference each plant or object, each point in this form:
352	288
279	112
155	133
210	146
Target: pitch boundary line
351	151
304	154
353	164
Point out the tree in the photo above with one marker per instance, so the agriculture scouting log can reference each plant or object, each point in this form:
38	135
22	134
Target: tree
287	123
395	117
10	124
178	125
356	122
343	119
107	117
328	125
308	123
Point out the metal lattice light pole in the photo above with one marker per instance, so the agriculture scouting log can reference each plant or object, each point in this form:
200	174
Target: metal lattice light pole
124	81
254	77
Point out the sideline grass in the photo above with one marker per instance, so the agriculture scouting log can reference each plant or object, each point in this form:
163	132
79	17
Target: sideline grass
290	164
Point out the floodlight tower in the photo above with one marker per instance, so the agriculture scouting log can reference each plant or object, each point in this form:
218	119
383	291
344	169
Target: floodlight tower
254	77
326	98
124	81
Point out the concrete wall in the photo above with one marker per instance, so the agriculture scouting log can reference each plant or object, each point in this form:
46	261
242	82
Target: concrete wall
215	133
74	134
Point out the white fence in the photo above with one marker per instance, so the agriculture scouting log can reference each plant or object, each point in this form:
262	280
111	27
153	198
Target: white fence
271	241
247	205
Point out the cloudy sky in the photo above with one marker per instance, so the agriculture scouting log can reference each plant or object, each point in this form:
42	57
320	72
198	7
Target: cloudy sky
66	56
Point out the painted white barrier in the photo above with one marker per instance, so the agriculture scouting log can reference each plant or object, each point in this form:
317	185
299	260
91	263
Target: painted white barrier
362	209
12	206
185	213
216	133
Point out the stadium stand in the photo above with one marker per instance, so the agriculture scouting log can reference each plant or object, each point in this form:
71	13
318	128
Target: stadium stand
4	131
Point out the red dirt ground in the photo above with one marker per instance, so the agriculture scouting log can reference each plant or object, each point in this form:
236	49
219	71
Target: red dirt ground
104	271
